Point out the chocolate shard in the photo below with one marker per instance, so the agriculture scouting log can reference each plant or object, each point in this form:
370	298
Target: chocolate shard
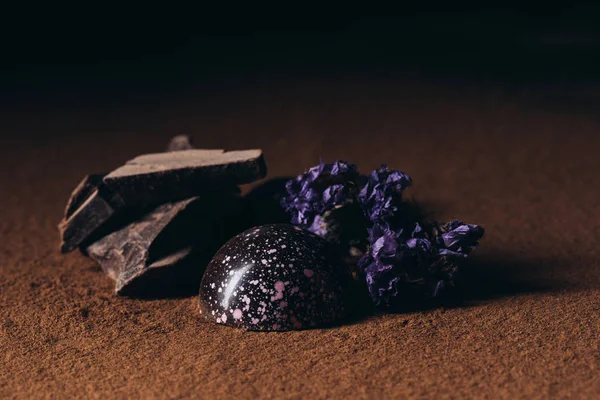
176	175
82	192
91	206
83	221
180	142
153	179
167	248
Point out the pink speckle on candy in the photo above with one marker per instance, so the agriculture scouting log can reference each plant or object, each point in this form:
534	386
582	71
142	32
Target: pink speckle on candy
237	314
279	286
278	296
308	272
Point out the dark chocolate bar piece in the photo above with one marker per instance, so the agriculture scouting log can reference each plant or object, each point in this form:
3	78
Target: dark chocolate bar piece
168	247
84	221
176	175
154	179
82	192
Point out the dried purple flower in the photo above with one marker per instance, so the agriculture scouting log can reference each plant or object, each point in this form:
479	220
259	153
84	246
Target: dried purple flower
403	256
320	189
394	264
381	197
415	263
458	239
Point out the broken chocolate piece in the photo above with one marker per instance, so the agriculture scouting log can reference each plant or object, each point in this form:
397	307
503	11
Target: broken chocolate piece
167	248
82	192
171	176
154	179
82	222
180	142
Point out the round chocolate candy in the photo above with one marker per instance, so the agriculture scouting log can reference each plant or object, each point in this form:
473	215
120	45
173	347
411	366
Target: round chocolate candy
275	277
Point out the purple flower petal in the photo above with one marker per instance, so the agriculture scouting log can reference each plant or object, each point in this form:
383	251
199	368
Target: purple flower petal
459	238
320	189
382	194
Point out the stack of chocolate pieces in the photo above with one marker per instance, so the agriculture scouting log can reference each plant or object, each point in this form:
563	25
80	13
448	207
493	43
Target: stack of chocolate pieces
155	222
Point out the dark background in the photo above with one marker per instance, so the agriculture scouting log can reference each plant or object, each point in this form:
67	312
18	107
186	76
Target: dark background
110	52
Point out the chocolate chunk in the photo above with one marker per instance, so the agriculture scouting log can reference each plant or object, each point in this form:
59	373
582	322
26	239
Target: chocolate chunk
167	248
82	192
153	179
171	176
83	221
180	142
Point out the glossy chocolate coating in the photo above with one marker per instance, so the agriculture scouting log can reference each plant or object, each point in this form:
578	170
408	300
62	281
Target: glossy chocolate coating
275	277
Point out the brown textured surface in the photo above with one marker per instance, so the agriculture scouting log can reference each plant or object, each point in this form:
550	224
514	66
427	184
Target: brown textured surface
519	163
